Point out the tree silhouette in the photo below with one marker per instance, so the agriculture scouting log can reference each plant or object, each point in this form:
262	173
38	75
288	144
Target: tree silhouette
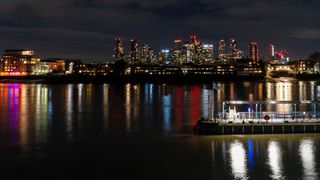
315	56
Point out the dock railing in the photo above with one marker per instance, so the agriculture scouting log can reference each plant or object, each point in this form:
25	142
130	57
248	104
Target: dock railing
267	117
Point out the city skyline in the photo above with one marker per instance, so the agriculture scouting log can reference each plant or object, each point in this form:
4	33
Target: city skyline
85	29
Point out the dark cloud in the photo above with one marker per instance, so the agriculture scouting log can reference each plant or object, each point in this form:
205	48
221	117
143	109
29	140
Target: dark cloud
306	33
22	15
85	28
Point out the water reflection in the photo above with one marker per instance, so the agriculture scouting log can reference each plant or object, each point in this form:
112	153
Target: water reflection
166	112
41	112
175	106
69	110
238	160
128	98
275	159
36	117
307	155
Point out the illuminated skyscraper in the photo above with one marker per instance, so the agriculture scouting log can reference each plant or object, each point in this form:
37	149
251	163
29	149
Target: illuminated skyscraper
134	50
253	50
196	50
271	51
187	52
207	52
233	49
19	62
177	45
119	49
147	54
222	49
164	56
194	40
177	51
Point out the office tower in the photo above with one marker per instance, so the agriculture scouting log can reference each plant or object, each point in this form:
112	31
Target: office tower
222	49
271	52
253	51
177	51
119	49
134	50
233	49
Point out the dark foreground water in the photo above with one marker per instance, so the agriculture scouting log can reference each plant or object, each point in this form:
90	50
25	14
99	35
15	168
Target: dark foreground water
143	131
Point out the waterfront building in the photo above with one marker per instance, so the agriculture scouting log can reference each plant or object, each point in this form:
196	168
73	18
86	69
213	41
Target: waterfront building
19	62
253	51
103	69
225	69
248	67
41	69
51	66
87	69
280	70
56	65
305	66
72	66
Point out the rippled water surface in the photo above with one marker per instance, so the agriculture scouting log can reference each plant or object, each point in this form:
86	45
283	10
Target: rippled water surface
88	131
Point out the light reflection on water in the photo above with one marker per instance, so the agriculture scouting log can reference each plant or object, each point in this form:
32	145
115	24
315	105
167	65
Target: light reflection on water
307	154
275	159
35	117
266	156
238	160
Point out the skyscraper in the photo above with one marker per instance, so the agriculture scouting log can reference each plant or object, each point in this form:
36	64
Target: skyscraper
271	52
177	51
196	49
233	49
134	50
119	49
194	40
146	54
207	52
222	49
253	51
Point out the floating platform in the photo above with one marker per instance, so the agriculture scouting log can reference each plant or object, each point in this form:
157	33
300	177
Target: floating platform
211	128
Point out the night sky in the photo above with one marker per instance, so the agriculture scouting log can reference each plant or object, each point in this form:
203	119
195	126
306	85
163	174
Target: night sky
85	29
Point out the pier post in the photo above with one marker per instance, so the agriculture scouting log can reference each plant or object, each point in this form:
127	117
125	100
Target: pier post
295	110
256	111
212	108
223	111
314	110
261	115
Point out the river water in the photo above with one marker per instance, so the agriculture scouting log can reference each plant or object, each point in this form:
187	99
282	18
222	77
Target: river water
144	131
